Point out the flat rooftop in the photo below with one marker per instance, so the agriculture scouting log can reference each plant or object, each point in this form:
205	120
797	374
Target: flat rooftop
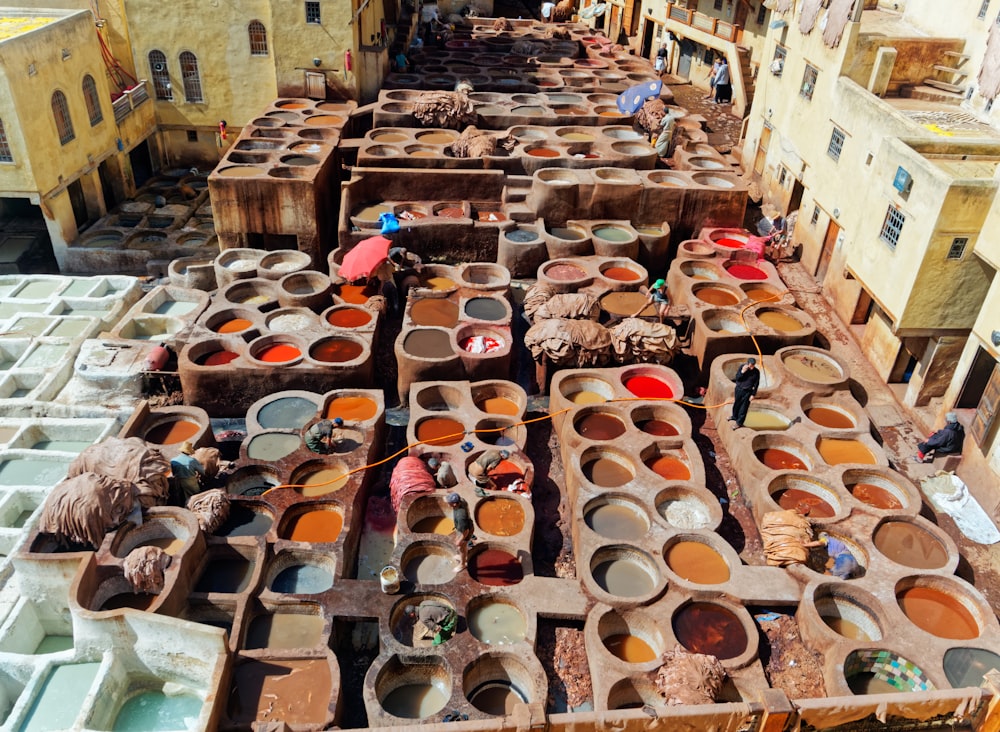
17	21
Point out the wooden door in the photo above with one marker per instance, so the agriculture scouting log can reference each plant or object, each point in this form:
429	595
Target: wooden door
765	140
315	85
829	242
985	417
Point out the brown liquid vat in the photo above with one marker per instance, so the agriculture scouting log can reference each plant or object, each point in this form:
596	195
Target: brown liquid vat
818	500
914	542
718	627
881	489
944	607
835	612
699	560
498	683
609	633
408	688
624	575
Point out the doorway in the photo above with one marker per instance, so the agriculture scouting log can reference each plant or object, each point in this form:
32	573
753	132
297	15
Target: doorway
688	49
647	38
141	164
826	253
78	201
762	145
976	380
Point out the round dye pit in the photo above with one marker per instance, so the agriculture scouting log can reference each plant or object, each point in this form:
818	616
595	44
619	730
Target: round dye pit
217	358
704	627
910	545
498	698
669	467
495	567
244	521
658	427
336	350
320	480
760	419
440	525
875	490
285	630
434	311
440	431
615	234
438	283
807	503
715	295
966	667
599	426
616	519
722	321
746	272
302	579
778	459
563	272
348	317
429	565
321	527
648	387
626	304
354	294
172	432
937	612
830	417
697	562
621	274
277	353
485	308
437	138
629	648
847	617
415	701
428	344
684	511
623	573
450	212
523	236
883	672
500	516
497	623
233	325
586	391
498	405
779	321
838	452
289	413
730	242
606	471
272	446
128	600
813	367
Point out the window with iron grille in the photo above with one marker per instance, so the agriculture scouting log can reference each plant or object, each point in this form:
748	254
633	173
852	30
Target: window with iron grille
815	217
778	62
957	248
983	8
809	81
92	100
258	38
892	227
5	154
836	145
718	4
312	12
761	13
160	75
60	111
192	81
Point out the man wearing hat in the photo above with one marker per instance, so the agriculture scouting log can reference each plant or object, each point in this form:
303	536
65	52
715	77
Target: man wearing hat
463	527
325	436
187	472
443	473
656	295
747	380
946	441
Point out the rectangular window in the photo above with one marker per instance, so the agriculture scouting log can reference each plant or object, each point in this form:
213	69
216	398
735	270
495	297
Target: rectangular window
6	156
761	13
192	135
957	248
815	217
782	175
778	62
983	8
312	12
892	227
718	5
836	143
809	81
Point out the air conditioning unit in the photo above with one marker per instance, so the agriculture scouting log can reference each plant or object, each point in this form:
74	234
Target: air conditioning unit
159	66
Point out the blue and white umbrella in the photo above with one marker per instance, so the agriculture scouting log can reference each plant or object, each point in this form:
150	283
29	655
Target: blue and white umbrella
634	97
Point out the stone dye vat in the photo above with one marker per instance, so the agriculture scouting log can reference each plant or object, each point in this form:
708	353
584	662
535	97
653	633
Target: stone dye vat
463	330
261	335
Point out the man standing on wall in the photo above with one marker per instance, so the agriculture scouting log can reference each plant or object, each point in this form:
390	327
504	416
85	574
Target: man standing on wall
747	380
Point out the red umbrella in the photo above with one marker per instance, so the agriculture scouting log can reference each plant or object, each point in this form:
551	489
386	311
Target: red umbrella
364	258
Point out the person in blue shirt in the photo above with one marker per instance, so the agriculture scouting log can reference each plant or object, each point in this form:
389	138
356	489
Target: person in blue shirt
187	472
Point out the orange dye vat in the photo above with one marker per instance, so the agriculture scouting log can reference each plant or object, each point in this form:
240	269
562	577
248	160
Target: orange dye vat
348	318
219	358
832	418
875	496
440	431
354	294
352	409
236	325
500	517
777	459
629	648
498	405
837	452
623	274
669	468
279	353
170	433
317	527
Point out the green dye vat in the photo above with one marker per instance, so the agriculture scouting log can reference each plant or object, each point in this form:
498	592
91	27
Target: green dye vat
54	644
75	446
154	711
39	289
21	519
46	355
32	472
62	695
9	309
79	288
30	326
70	327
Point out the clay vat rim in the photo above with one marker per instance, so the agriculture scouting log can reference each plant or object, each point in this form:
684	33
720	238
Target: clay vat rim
679	490
902	489
852	594
947	545
595	452
968	596
616	498
611	410
744	617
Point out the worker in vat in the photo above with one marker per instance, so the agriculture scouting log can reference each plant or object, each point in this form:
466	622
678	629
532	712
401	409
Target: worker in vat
444	474
188	473
326	436
463	528
657	296
946	441
747	380
438	620
480	469
844	564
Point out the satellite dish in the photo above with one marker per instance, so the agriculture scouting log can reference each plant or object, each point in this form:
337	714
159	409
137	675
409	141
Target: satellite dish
599	9
588	12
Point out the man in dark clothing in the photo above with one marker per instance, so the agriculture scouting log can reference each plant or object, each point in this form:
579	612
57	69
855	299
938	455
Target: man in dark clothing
479	470
463	527
437	618
747	380
946	441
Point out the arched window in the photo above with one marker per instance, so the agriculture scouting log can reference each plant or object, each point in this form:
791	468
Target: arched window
160	76
60	111
192	81
258	38
5	154
92	100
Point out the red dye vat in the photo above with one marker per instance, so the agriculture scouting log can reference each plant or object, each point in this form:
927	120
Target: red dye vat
451	212
623	274
480	344
746	272
354	294
648	388
348	318
564	272
544	152
657	427
495	567
780	459
491	216
731	243
279	353
505	473
219	358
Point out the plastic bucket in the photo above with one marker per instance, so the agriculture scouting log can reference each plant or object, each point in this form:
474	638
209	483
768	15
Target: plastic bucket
389	577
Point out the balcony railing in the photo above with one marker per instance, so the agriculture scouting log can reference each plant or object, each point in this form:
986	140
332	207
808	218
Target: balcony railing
129	100
704	23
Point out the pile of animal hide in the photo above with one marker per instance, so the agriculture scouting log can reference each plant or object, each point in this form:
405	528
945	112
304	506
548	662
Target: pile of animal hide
785	535
475	143
638	341
83	508
564	10
541	303
409	476
572	343
131	460
650	115
144	567
502	24
689	678
451	110
211	508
